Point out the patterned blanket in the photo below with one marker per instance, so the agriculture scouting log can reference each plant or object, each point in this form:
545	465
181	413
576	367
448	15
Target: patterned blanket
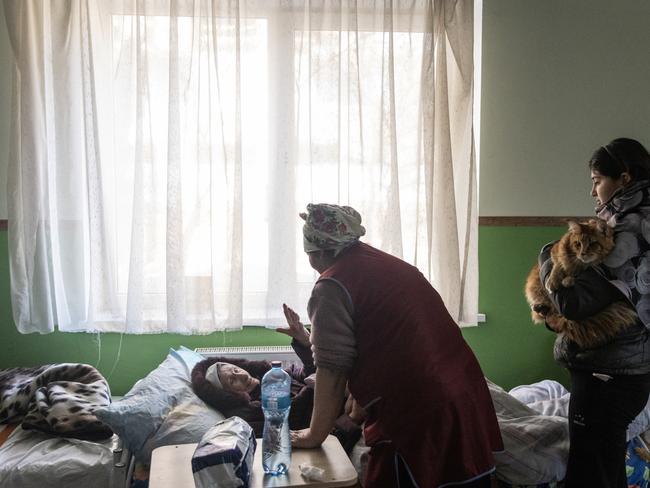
56	399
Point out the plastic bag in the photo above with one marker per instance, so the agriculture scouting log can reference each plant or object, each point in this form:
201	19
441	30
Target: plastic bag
224	455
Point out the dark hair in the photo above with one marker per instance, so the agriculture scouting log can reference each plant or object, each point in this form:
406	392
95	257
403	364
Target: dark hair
620	156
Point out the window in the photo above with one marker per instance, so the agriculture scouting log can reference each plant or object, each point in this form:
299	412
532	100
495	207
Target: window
205	127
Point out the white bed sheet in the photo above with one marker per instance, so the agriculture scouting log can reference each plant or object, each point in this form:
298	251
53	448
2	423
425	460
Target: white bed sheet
548	397
31	459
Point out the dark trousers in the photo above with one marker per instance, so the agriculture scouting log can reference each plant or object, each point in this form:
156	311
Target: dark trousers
599	414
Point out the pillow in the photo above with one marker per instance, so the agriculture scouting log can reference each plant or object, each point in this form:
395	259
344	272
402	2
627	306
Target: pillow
547	397
148	415
188	357
186	423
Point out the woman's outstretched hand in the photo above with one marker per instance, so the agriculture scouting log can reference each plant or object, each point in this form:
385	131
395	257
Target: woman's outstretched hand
296	329
304	439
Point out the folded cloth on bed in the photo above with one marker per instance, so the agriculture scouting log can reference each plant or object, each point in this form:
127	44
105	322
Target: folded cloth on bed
56	399
536	446
549	397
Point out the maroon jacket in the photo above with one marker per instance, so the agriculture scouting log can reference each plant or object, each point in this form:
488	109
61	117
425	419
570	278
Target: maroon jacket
422	387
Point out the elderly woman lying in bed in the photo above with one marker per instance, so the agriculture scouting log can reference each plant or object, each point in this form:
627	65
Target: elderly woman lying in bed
232	386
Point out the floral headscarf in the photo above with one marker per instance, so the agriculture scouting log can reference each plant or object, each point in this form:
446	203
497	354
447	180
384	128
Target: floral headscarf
330	227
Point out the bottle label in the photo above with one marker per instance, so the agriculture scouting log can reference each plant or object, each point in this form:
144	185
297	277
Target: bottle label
276	403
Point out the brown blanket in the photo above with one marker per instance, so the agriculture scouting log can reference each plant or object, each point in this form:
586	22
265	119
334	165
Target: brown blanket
6	432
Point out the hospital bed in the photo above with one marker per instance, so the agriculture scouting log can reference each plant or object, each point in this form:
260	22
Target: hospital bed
162	409
33	459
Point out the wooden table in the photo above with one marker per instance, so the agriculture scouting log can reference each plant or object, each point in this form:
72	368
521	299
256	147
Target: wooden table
171	467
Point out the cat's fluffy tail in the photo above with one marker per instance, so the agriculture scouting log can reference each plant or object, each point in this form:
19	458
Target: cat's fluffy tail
587	333
601	328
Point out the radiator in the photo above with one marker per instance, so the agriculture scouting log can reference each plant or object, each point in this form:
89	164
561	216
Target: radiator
285	354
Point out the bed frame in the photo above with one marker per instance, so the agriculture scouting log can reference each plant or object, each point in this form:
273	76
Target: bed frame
123	464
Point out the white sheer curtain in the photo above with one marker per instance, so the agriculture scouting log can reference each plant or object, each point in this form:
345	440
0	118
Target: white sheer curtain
163	148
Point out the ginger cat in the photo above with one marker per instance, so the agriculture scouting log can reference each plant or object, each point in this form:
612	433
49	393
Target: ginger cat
585	244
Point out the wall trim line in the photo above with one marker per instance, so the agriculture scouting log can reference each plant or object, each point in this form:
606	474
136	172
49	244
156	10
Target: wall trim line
527	221
484	221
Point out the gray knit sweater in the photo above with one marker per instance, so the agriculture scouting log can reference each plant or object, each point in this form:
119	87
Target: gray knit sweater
332	327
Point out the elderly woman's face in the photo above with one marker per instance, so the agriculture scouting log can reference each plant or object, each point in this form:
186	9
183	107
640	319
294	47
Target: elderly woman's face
314	260
236	379
320	260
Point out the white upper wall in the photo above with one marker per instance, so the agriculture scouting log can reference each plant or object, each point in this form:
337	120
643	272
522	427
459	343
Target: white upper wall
560	78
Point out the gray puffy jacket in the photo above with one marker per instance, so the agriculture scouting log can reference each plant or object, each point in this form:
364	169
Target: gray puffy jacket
628	353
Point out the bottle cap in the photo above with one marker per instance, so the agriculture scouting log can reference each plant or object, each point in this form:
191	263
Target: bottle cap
276	364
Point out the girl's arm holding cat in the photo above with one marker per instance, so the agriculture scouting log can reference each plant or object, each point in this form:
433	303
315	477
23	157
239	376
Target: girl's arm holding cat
590	293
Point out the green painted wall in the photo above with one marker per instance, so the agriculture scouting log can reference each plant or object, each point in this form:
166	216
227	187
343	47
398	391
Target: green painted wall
510	348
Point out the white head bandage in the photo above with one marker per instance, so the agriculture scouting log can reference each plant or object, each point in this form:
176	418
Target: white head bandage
212	374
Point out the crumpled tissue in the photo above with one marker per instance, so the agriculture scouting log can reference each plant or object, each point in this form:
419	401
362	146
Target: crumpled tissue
311	472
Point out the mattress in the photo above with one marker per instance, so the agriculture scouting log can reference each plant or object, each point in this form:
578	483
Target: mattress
32	459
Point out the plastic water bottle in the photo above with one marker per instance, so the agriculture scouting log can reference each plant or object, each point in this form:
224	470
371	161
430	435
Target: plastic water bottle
276	403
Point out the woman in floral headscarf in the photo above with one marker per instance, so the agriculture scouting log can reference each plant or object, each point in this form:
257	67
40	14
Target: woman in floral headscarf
380	327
